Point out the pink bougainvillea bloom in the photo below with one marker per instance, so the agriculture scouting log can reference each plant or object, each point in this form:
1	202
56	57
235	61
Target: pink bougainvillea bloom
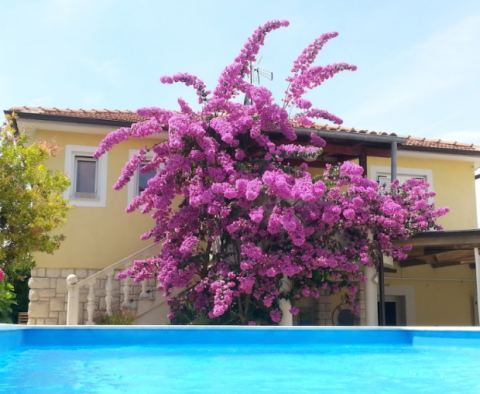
276	315
235	217
294	310
2	275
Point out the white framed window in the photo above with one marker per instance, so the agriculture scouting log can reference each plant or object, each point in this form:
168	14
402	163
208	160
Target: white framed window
139	181
85	177
382	175
88	176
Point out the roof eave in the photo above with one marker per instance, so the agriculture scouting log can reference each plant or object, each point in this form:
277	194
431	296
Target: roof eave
463	152
70	119
300	131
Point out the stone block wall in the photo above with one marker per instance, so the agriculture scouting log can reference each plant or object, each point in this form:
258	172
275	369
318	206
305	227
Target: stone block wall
361	304
322	308
48	295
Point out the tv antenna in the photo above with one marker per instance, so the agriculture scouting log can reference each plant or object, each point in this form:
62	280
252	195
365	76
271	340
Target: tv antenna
255	73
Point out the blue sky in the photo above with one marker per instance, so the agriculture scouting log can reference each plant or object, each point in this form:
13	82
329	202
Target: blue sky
418	61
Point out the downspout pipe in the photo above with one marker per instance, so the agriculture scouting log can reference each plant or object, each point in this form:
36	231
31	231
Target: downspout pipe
381	270
394	161
477	275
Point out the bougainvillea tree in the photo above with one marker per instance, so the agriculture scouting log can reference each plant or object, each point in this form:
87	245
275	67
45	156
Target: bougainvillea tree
249	221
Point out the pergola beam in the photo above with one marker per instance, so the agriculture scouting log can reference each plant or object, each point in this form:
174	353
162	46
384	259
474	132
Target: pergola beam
466	239
449	264
443	256
472	241
413	262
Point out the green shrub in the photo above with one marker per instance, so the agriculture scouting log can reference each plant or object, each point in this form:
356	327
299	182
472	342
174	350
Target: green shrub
7	299
119	317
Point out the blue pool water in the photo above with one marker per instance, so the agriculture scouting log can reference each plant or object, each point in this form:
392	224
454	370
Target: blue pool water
238	360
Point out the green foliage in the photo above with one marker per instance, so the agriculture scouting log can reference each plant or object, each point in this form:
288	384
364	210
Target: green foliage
31	201
7	299
119	317
21	292
186	314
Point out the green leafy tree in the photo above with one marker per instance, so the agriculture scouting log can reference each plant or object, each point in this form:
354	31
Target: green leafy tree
31	201
7	299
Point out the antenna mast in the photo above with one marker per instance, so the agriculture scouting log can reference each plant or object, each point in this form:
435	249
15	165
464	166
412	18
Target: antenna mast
260	72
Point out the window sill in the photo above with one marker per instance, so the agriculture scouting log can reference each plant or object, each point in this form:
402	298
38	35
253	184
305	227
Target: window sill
87	202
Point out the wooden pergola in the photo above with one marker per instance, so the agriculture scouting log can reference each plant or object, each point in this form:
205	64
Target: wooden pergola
442	248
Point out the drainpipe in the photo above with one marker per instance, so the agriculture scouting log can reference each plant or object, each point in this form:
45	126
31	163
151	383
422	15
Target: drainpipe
371	291
477	269
381	271
394	160
381	292
371	294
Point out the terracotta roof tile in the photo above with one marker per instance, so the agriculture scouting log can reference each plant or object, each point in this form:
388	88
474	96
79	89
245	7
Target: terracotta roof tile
130	116
104	114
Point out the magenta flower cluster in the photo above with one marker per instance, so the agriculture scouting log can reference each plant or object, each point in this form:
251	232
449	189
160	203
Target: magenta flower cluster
247	218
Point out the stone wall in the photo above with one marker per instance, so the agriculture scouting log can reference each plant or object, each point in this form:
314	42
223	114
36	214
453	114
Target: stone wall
48	295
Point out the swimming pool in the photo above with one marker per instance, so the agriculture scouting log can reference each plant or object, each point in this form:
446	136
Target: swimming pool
167	359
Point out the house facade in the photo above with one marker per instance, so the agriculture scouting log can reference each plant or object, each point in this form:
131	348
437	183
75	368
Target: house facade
101	239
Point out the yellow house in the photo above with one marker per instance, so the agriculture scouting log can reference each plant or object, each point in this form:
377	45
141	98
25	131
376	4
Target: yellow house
101	239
